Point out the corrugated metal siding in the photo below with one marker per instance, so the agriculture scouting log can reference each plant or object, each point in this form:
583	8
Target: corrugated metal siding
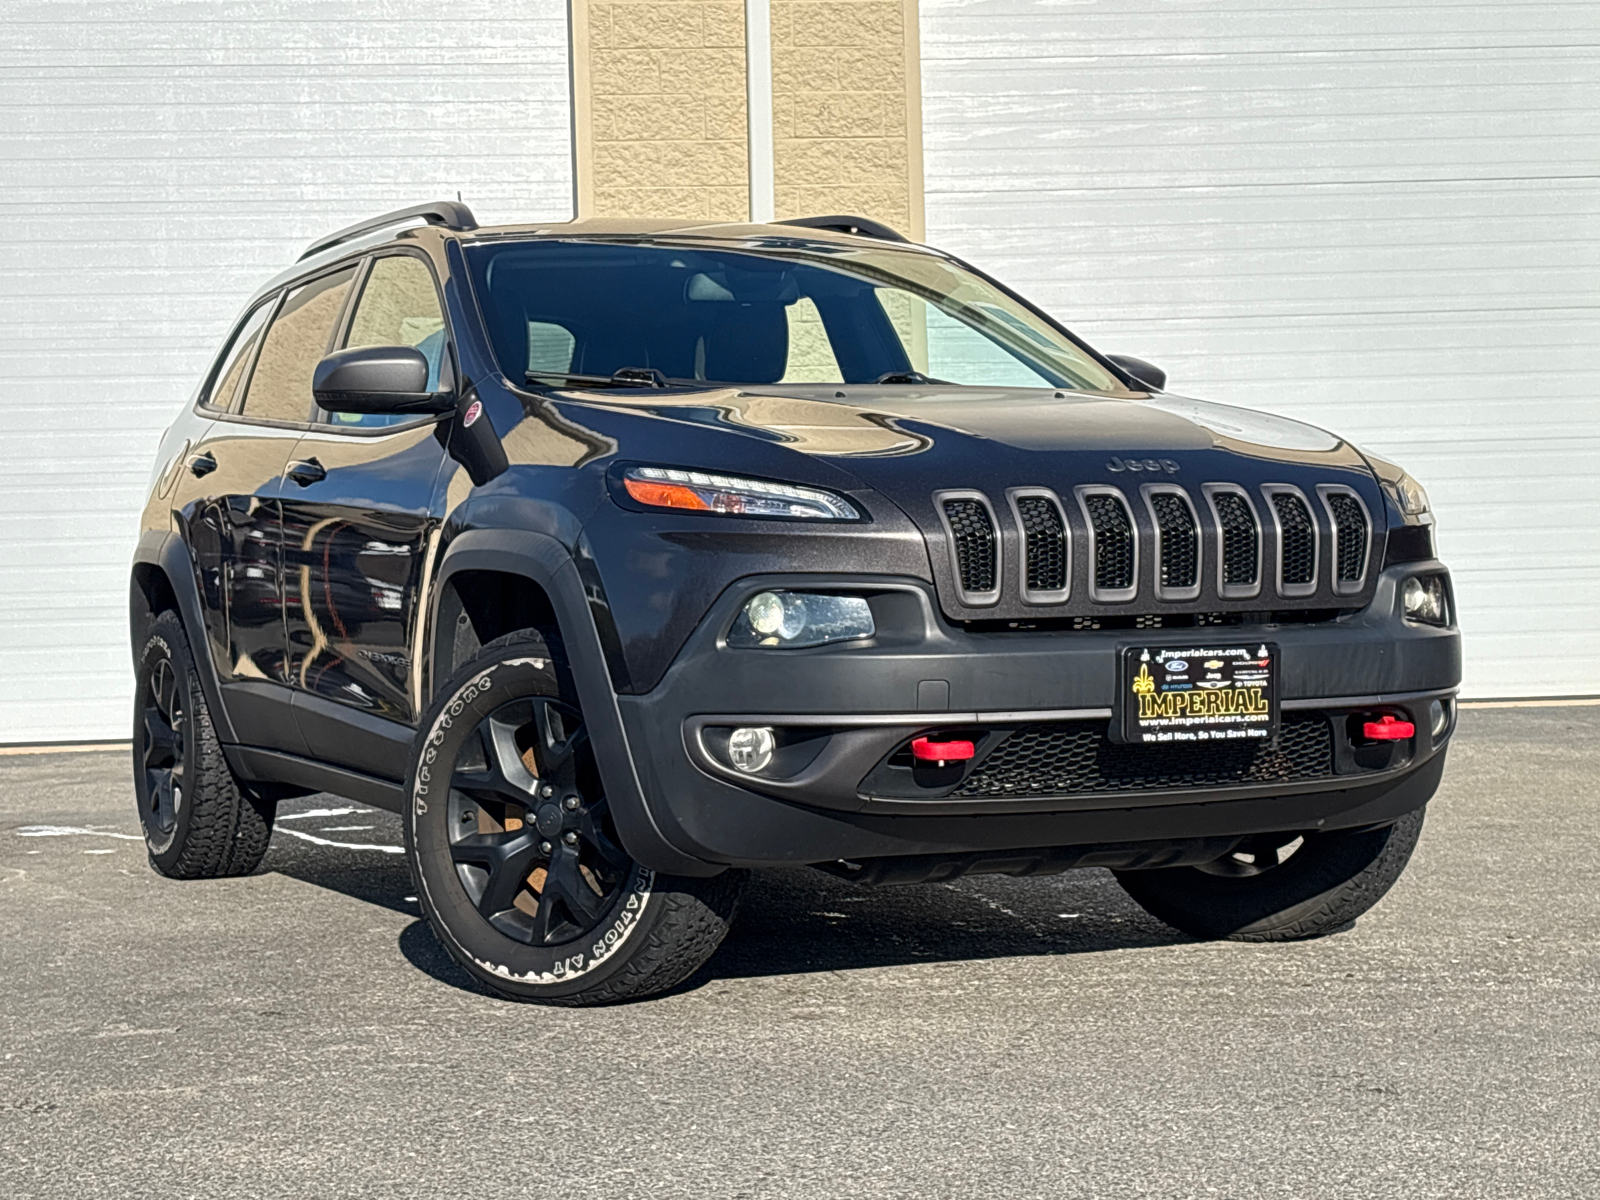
158	162
1378	218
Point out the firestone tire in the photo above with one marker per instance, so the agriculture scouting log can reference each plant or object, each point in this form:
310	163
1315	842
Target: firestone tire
517	864
1321	886
199	822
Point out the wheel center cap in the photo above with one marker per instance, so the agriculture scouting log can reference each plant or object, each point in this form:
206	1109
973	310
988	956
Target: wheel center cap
549	820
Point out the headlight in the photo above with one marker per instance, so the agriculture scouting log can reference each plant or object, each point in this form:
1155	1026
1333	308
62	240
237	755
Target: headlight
1408	495
796	619
664	487
1422	598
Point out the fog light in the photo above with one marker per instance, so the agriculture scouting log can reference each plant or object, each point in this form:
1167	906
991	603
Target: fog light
750	748
1422	599
796	619
1438	718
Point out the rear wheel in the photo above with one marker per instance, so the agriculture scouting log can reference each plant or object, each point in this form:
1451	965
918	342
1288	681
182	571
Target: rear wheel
1280	887
198	822
518	864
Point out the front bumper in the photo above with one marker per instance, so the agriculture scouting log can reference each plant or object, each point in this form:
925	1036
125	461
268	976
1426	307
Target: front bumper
845	709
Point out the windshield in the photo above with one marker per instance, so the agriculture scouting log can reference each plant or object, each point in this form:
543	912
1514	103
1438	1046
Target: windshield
816	315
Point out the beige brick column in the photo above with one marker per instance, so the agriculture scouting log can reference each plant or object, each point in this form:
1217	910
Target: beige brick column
659	108
847	110
659	119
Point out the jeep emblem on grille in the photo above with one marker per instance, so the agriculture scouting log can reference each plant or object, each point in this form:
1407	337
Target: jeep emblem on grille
1142	464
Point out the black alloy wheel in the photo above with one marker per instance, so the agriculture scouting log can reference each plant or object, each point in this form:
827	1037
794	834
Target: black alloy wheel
199	820
162	711
530	834
520	867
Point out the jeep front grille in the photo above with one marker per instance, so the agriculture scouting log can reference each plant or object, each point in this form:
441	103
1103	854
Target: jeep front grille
972	534
1063	758
1213	547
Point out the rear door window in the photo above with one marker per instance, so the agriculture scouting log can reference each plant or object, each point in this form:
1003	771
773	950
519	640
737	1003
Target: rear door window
280	385
236	362
399	306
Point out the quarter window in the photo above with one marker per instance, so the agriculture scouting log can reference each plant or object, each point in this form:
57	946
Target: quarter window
230	375
280	386
399	306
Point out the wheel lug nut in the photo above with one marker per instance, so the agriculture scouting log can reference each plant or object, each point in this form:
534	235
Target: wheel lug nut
545	847
571	803
547	791
570	838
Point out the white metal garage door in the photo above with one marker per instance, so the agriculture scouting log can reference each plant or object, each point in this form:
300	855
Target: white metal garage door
1378	218
158	161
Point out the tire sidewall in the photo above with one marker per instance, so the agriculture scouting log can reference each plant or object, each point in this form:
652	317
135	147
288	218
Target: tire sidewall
166	642
504	674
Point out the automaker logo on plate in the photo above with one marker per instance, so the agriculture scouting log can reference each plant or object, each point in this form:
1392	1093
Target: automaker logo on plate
1153	465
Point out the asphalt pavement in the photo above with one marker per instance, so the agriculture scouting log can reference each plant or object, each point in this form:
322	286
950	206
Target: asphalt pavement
298	1033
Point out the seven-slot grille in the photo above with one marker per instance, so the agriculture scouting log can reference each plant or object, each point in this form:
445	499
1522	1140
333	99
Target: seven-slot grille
1044	539
1182	554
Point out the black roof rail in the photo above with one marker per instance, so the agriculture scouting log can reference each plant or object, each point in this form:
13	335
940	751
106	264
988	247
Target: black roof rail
860	226
451	214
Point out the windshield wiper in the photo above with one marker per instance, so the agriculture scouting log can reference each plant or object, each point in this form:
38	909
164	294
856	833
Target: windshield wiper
623	377
909	377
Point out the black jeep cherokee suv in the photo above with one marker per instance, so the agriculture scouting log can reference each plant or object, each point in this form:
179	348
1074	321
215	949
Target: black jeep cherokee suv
622	557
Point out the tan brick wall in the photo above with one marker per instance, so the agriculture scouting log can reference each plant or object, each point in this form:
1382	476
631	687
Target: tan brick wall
847	110
660	122
659	108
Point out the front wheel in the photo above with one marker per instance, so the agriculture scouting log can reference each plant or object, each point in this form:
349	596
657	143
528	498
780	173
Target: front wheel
1280	887
518	865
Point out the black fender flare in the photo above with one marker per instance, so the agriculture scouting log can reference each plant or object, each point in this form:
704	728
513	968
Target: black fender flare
165	549
547	562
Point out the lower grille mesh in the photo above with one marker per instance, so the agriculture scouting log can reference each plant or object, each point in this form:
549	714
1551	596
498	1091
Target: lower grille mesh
1299	538
1113	541
1046	541
1074	757
973	532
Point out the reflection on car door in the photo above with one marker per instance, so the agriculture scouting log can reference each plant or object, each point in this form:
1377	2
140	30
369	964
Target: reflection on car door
228	499
358	531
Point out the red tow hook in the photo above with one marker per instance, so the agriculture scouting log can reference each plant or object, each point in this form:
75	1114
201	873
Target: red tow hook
1388	728
940	753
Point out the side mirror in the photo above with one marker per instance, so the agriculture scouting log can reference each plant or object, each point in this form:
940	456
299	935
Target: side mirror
378	379
1148	374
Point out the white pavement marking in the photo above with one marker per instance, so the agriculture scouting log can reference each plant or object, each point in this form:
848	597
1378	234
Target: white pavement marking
320	812
73	831
342	845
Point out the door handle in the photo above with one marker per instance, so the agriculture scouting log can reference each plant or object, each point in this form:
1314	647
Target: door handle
306	472
201	465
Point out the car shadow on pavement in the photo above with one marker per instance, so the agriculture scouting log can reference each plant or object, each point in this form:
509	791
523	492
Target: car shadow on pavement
798	920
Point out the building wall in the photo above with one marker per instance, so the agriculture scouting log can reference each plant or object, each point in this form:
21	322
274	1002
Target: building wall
659	108
847	110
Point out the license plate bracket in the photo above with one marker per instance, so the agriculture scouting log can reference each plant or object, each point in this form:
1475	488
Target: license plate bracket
1178	695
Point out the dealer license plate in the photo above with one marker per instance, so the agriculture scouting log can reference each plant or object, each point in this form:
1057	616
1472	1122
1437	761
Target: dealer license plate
1199	693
